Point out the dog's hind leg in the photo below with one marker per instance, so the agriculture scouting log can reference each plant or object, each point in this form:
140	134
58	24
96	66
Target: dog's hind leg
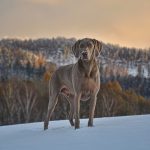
51	106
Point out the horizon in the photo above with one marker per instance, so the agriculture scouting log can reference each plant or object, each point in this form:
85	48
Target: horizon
119	22
105	42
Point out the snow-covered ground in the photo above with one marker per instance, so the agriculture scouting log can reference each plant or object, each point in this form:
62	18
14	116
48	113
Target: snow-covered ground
116	133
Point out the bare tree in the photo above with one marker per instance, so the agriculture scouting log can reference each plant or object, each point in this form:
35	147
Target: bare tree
109	104
10	102
27	101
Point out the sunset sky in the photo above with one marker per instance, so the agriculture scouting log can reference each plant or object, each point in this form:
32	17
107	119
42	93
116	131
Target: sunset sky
123	22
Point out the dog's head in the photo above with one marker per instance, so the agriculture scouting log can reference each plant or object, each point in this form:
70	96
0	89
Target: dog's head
86	48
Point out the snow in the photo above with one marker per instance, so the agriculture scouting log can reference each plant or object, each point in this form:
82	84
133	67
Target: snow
115	133
133	70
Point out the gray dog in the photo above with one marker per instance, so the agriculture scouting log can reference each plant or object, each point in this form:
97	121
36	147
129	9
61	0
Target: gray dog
79	81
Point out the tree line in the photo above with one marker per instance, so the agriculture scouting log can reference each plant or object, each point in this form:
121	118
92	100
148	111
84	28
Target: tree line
23	101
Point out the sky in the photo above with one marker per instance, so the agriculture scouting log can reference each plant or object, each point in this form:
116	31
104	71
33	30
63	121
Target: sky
123	22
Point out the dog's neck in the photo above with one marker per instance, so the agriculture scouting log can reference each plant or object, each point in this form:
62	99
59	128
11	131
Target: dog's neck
88	68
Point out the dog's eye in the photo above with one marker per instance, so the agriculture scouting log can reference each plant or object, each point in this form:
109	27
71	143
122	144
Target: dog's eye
89	45
81	45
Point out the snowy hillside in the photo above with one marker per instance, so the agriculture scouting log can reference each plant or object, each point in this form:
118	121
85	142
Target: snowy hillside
115	66
116	133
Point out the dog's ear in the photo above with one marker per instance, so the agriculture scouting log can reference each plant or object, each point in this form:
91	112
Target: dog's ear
75	48
97	47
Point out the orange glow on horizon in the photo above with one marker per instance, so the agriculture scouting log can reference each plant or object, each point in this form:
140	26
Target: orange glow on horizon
122	22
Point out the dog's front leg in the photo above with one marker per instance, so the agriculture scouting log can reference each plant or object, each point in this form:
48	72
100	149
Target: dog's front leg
92	109
71	114
77	110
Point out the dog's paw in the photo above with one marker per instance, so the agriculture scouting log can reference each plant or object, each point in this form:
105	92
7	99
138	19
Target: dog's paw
45	126
72	124
90	124
77	126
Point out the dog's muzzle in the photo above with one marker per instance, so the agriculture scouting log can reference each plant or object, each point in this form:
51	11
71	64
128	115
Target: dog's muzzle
84	55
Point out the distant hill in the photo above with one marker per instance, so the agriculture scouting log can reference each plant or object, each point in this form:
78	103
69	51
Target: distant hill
115	60
30	59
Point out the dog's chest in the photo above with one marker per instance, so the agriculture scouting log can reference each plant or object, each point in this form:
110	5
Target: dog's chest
88	87
89	84
90	78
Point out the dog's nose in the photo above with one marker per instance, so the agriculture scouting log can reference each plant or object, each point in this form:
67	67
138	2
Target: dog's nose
84	53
